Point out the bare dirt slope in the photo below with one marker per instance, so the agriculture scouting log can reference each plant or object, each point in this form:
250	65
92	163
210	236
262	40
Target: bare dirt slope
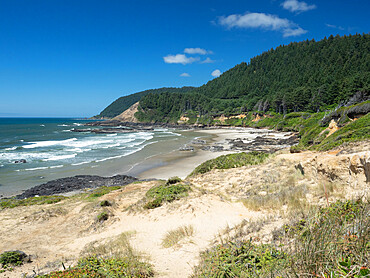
128	115
218	206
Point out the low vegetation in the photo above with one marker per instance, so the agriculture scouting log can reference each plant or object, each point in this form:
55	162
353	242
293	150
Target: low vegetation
172	190
113	258
240	259
328	242
41	200
94	267
101	191
103	216
230	161
173	237
13	202
11	258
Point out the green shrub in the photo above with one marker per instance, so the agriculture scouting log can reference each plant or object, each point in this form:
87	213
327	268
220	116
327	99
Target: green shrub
105	203
103	268
101	191
354	131
103	216
230	161
12	202
329	242
333	241
158	195
240	259
173	180
11	258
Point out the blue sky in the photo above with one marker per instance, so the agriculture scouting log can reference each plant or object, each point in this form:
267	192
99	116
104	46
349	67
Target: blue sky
72	57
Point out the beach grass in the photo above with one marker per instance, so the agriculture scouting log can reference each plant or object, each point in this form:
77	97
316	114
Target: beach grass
13	202
330	241
173	237
230	161
111	258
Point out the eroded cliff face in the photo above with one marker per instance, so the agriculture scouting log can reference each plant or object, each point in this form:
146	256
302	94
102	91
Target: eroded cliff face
128	115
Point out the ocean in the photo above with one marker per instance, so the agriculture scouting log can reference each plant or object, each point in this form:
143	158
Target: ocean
51	150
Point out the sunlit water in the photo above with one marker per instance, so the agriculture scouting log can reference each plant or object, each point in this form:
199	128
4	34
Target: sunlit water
52	150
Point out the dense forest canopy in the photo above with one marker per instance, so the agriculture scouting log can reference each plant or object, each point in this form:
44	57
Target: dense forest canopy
303	76
123	103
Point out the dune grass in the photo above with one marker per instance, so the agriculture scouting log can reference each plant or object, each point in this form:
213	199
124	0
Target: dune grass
230	161
41	200
332	241
113	258
12	202
173	237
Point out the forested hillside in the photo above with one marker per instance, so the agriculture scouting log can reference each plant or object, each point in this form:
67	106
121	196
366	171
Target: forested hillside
305	76
123	103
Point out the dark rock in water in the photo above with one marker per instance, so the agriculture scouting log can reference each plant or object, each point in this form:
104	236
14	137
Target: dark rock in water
198	142
213	148
263	144
20	161
79	182
186	148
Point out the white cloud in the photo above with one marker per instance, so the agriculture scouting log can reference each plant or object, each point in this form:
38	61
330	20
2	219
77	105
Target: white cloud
263	21
197	50
216	73
297	6
179	59
294	32
207	61
335	26
185	74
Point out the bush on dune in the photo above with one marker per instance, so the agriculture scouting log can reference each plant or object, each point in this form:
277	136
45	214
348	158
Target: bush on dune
230	161
329	242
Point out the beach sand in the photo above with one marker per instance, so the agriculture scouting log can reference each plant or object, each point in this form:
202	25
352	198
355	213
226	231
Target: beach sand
182	163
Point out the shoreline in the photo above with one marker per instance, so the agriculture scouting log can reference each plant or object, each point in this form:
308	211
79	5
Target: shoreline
218	141
178	165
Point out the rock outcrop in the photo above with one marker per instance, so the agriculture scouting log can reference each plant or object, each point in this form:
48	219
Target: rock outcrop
128	115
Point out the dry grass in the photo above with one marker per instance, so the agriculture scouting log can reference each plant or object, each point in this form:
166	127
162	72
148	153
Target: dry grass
243	231
118	247
173	237
46	214
294	197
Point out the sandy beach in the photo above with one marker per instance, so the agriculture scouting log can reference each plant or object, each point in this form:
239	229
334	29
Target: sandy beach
182	163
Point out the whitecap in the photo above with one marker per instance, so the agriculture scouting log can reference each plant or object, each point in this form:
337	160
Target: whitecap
60	157
63	125
81	163
57	166
112	135
42	125
41	144
37	168
11	149
109	158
